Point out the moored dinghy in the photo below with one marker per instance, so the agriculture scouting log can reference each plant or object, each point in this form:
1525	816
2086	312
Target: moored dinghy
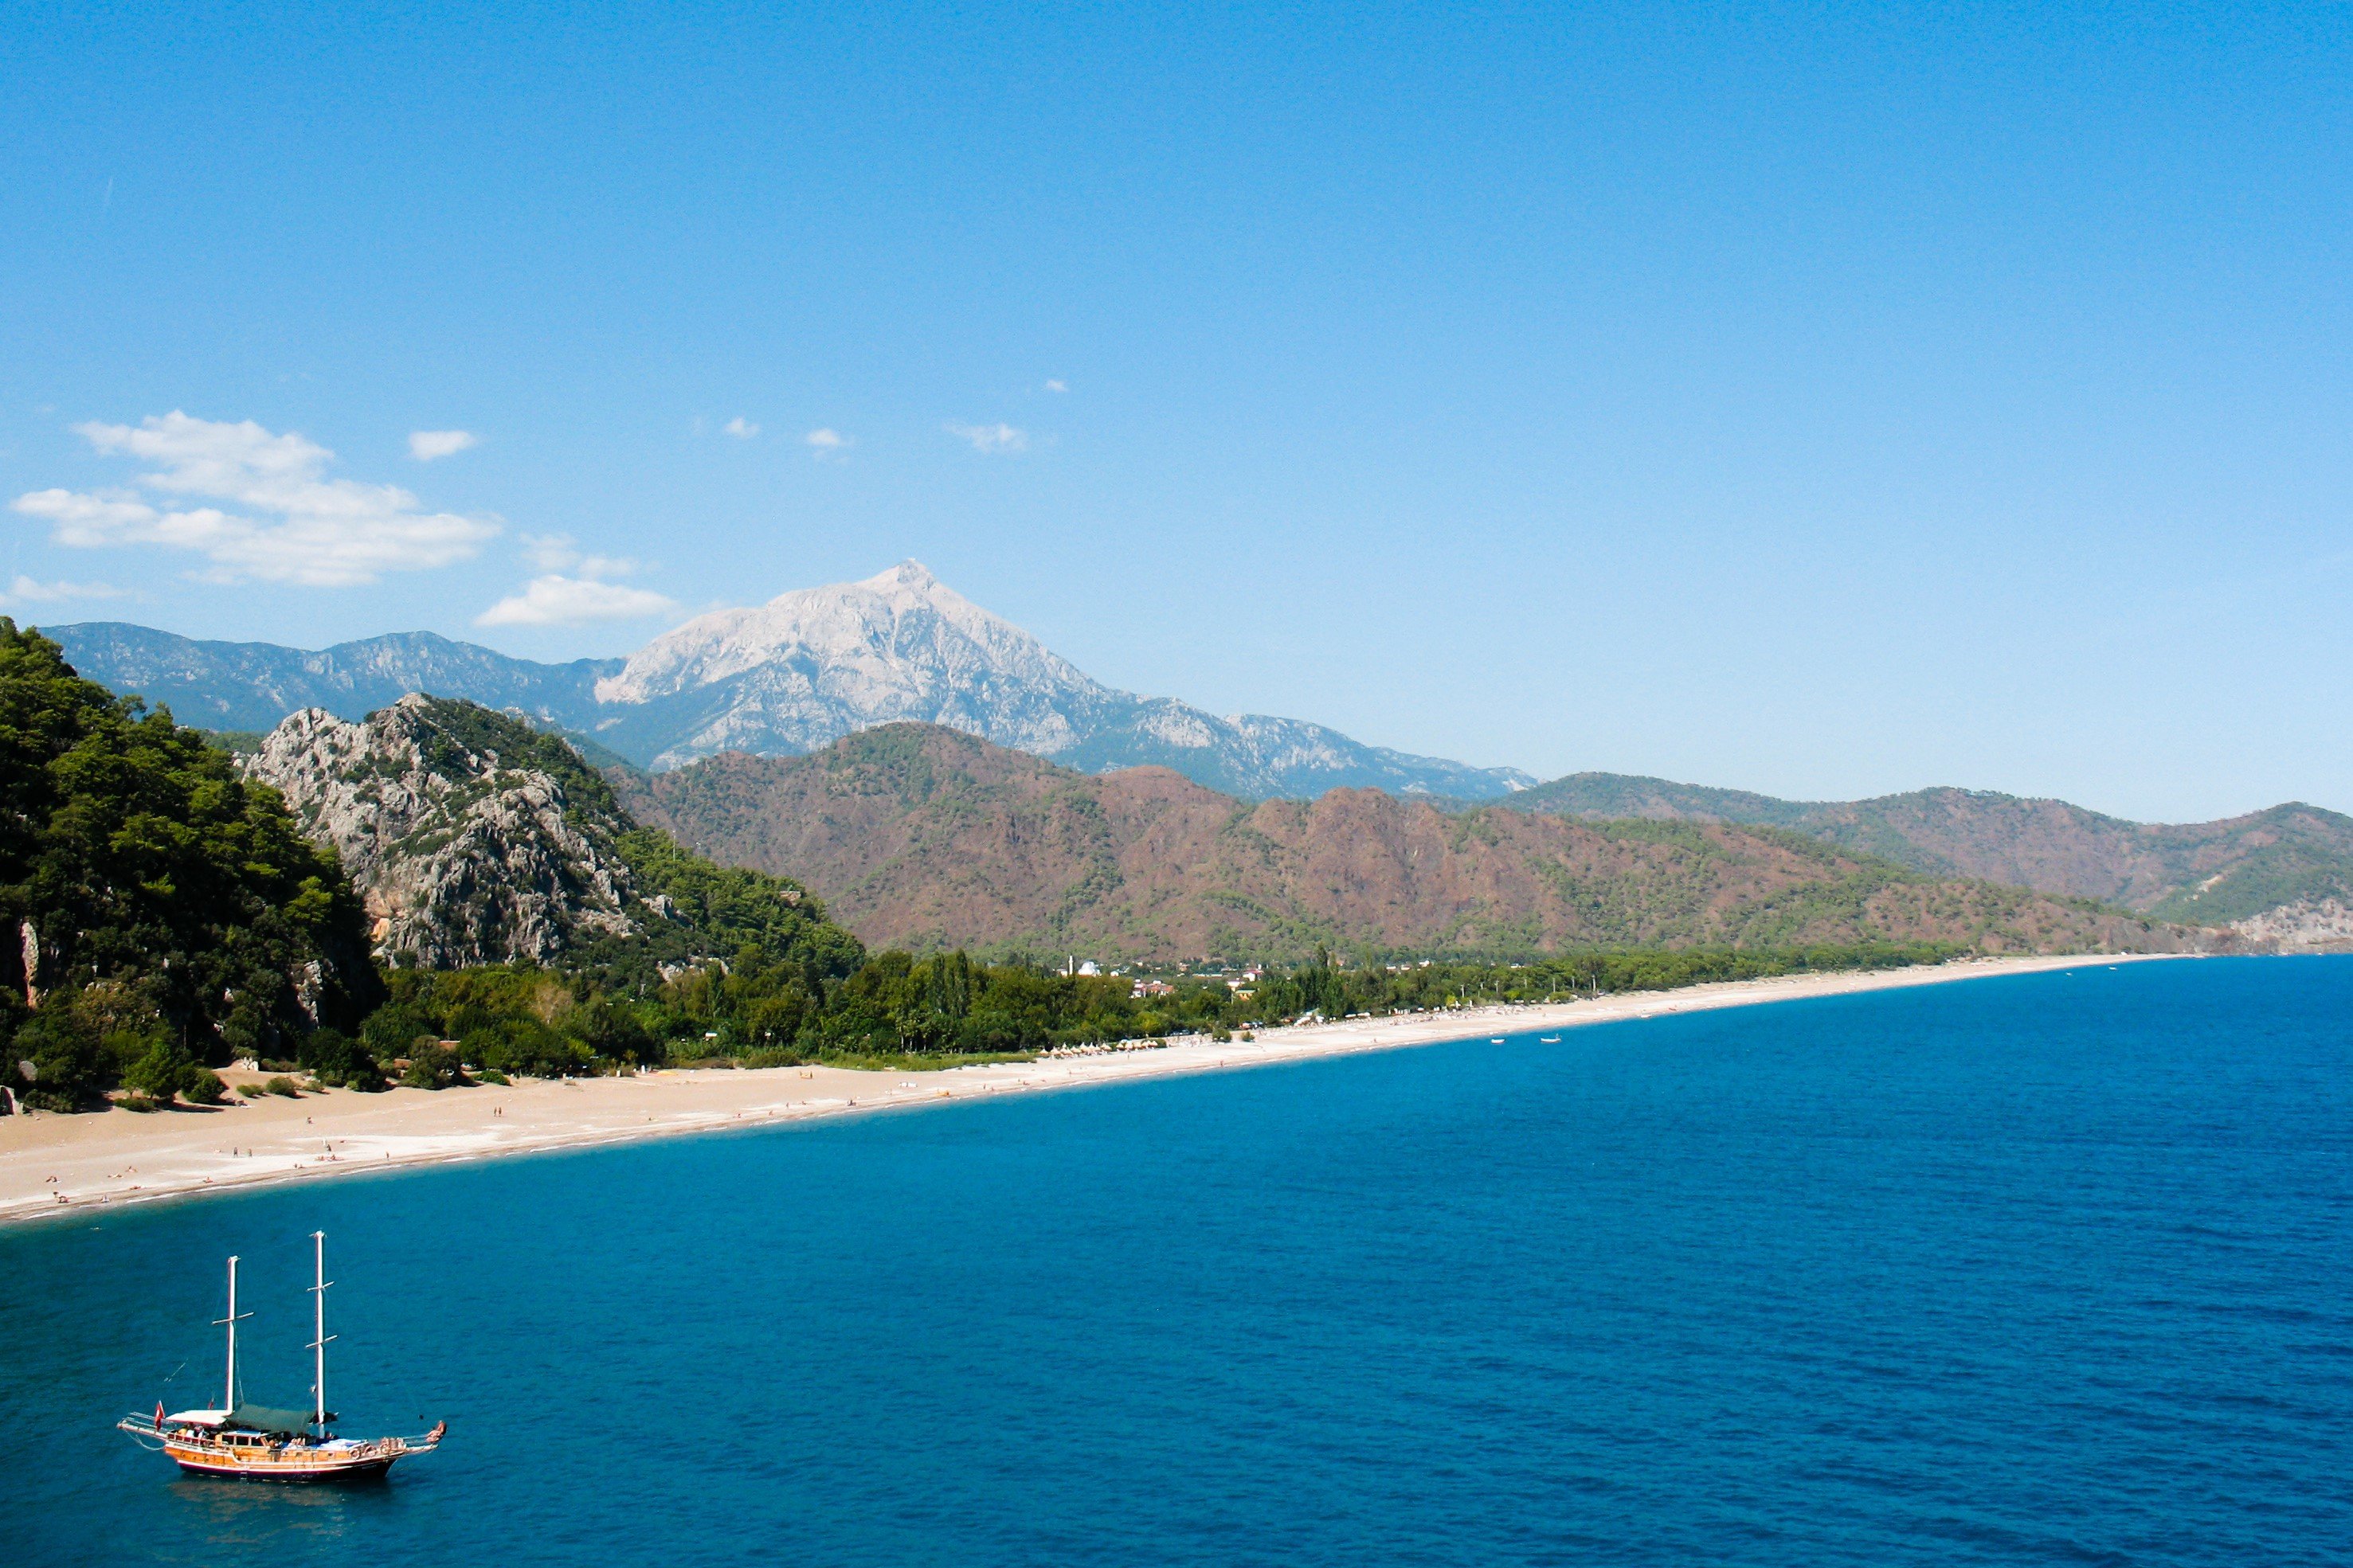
261	1443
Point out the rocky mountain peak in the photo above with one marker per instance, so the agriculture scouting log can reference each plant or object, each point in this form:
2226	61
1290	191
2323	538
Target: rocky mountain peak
784	678
813	664
468	846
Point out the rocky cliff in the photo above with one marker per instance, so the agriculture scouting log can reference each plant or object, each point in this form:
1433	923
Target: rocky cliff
465	851
475	839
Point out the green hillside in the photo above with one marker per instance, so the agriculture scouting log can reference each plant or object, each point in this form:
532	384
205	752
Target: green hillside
151	903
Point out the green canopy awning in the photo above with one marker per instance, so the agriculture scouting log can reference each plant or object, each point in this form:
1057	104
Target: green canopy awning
262	1419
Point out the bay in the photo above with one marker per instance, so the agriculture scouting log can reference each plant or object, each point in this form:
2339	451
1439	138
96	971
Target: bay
2040	1269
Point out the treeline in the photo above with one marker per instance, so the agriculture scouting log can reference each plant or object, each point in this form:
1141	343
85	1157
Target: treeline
757	1011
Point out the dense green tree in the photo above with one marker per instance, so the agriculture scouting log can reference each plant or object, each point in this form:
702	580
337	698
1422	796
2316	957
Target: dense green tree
334	1059
135	862
432	1065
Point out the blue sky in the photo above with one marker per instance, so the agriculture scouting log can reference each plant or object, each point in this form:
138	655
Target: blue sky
1820	401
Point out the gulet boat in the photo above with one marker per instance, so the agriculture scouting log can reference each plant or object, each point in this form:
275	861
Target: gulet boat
261	1443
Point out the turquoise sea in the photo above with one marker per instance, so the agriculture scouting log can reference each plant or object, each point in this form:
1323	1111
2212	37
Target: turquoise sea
2044	1269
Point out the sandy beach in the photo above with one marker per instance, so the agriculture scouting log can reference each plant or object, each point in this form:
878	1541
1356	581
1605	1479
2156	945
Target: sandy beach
54	1165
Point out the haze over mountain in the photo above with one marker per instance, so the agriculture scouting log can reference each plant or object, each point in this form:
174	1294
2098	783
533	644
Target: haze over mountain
2285	873
926	836
781	679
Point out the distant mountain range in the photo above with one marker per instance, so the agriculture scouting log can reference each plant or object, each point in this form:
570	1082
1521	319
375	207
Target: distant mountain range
779	679
250	686
2284	874
810	668
923	836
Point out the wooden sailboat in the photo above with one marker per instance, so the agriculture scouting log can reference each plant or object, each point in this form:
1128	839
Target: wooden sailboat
259	1443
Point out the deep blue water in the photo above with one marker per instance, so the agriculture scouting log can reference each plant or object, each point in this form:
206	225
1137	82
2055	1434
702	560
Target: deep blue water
2049	1270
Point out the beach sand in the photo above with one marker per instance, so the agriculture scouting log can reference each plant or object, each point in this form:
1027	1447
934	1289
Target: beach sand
53	1166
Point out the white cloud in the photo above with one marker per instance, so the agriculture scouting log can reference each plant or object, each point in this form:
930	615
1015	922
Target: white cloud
742	430
991	437
427	445
290	525
1058	384
31	591
555	601
828	443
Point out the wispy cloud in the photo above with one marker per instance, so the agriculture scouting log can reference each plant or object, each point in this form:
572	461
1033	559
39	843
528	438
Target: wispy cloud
828	444
549	551
742	430
557	552
425	446
557	601
32	593
991	437
291	523
1058	384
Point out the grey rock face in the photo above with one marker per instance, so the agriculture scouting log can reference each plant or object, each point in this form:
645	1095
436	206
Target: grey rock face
463	859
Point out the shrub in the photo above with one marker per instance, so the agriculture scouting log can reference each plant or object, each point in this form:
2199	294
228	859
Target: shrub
389	1031
332	1058
285	1085
69	1068
432	1065
163	1071
202	1086
491	1075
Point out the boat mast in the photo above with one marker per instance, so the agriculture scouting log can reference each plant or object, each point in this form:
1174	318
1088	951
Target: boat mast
319	1333
228	1397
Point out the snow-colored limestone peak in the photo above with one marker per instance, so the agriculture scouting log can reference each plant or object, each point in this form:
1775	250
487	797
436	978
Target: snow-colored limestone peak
811	665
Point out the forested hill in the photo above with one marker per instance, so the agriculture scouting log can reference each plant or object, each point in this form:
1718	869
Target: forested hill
151	903
928	837
2285	872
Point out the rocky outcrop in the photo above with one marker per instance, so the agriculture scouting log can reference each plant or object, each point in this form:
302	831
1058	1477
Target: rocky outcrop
2307	925
467	848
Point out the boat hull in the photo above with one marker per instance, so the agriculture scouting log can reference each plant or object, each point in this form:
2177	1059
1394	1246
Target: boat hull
289	1475
297	1466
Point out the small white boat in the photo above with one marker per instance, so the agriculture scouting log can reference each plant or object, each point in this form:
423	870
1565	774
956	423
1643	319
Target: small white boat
259	1443
1548	1039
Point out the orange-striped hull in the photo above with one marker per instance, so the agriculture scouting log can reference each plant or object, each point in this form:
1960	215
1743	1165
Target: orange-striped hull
367	1462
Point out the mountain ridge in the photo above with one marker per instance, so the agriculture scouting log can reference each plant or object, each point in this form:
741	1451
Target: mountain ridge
923	836
2291	857
784	678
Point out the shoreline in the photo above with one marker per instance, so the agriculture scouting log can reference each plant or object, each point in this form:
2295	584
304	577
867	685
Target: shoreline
58	1166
